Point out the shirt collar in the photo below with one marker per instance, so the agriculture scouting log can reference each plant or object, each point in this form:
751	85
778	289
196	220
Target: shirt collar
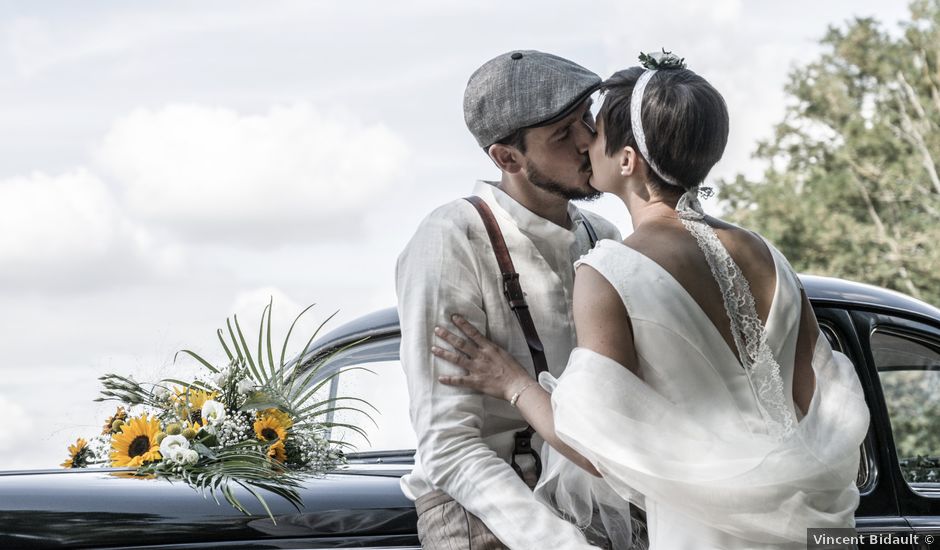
527	221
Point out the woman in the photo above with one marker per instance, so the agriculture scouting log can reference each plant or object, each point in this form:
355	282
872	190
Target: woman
702	389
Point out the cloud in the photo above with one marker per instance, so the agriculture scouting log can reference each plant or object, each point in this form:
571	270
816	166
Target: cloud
213	174
67	232
17	422
249	305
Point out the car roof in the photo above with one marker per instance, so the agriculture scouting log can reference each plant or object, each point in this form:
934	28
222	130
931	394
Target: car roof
830	290
821	290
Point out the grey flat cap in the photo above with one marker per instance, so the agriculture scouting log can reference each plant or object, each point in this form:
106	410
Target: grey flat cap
520	89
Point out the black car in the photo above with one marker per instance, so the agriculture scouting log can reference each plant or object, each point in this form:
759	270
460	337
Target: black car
893	340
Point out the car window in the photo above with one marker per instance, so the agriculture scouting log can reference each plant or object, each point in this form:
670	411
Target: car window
909	369
371	371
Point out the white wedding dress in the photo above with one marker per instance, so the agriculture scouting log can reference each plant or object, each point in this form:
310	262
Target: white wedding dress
714	450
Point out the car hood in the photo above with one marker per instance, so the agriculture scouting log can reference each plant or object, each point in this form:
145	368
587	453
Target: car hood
95	507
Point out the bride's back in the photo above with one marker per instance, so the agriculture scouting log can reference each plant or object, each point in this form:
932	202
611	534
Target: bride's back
669	244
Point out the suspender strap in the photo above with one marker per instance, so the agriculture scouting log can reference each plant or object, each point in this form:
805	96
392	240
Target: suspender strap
511	287
513	291
592	235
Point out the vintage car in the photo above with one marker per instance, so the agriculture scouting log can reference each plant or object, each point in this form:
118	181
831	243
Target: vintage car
893	340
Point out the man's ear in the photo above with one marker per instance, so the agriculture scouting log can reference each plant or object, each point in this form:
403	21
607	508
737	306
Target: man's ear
506	157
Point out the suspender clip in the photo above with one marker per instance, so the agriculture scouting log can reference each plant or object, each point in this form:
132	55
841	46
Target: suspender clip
513	291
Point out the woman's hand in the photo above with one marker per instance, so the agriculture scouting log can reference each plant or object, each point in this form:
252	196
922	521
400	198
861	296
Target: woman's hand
491	369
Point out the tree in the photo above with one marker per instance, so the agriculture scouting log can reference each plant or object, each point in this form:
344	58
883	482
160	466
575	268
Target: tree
852	187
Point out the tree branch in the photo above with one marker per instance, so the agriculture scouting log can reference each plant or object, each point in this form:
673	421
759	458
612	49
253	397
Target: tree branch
917	138
897	256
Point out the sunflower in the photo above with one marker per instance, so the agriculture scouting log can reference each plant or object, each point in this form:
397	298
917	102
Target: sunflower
78	455
136	443
270	428
119	414
282	417
189	403
278	452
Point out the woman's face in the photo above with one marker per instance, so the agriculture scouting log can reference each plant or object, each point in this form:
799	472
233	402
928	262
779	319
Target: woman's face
606	170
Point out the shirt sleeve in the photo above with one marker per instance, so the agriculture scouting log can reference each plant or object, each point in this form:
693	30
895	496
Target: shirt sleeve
438	275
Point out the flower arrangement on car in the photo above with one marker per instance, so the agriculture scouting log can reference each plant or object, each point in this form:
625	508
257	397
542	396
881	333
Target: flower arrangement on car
254	423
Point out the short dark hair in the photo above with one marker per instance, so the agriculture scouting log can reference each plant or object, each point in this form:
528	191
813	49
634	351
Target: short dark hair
515	139
685	120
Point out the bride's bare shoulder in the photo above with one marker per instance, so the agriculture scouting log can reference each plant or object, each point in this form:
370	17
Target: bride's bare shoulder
601	319
674	248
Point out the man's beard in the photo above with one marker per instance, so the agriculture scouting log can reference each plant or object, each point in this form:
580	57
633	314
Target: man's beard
540	180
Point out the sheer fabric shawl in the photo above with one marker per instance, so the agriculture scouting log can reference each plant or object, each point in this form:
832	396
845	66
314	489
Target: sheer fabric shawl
689	434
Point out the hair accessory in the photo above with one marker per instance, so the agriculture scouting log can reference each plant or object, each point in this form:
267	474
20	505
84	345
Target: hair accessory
657	61
652	62
515	396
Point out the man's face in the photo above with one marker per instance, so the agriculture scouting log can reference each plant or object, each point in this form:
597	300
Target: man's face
556	158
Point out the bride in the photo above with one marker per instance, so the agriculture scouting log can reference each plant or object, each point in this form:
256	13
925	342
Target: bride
701	390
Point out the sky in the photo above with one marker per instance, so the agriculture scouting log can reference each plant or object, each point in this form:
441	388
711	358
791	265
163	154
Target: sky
166	165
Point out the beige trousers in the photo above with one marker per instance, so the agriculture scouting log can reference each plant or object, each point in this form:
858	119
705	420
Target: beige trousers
443	524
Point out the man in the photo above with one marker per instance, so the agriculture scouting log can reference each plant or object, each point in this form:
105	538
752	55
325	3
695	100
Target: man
530	111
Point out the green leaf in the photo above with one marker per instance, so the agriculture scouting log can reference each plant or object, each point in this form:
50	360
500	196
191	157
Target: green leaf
228	353
197	358
274	369
251	364
313	336
290	330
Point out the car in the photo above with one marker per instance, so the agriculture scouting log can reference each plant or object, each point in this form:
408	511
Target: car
893	340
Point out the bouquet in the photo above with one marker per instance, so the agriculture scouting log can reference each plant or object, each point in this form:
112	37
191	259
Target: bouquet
254	422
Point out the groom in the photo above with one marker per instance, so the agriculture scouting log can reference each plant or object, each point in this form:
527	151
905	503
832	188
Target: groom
530	112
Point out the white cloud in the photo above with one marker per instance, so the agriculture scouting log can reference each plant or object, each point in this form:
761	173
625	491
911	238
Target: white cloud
67	231
57	38
249	305
214	174
18	423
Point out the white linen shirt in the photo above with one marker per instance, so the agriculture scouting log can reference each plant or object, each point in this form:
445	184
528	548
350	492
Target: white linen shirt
465	439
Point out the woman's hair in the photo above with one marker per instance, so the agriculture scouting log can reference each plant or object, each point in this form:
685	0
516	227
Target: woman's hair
685	120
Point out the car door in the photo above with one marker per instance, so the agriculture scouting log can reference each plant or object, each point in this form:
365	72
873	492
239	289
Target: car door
879	513
903	353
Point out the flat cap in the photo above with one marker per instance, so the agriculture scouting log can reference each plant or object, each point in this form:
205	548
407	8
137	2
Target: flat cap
520	89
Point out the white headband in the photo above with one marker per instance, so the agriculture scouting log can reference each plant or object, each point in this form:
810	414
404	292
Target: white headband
636	120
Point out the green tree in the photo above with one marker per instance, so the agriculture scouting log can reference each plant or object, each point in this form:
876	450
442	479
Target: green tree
852	187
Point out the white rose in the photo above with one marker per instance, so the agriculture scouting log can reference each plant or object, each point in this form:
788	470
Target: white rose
245	386
189	456
176	455
213	411
171	444
220	377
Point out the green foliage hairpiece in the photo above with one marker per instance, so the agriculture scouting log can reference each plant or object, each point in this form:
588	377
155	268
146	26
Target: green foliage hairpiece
659	61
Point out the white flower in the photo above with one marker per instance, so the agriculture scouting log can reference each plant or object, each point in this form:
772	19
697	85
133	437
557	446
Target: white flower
176	455
213	411
245	386
171	445
160	393
189	456
221	377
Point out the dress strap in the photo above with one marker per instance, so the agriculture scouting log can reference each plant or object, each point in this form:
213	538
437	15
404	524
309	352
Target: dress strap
750	335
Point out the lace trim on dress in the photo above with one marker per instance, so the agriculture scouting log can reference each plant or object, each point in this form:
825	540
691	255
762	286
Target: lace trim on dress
750	336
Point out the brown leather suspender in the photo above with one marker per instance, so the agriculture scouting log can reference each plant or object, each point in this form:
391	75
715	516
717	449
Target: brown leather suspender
513	292
511	287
